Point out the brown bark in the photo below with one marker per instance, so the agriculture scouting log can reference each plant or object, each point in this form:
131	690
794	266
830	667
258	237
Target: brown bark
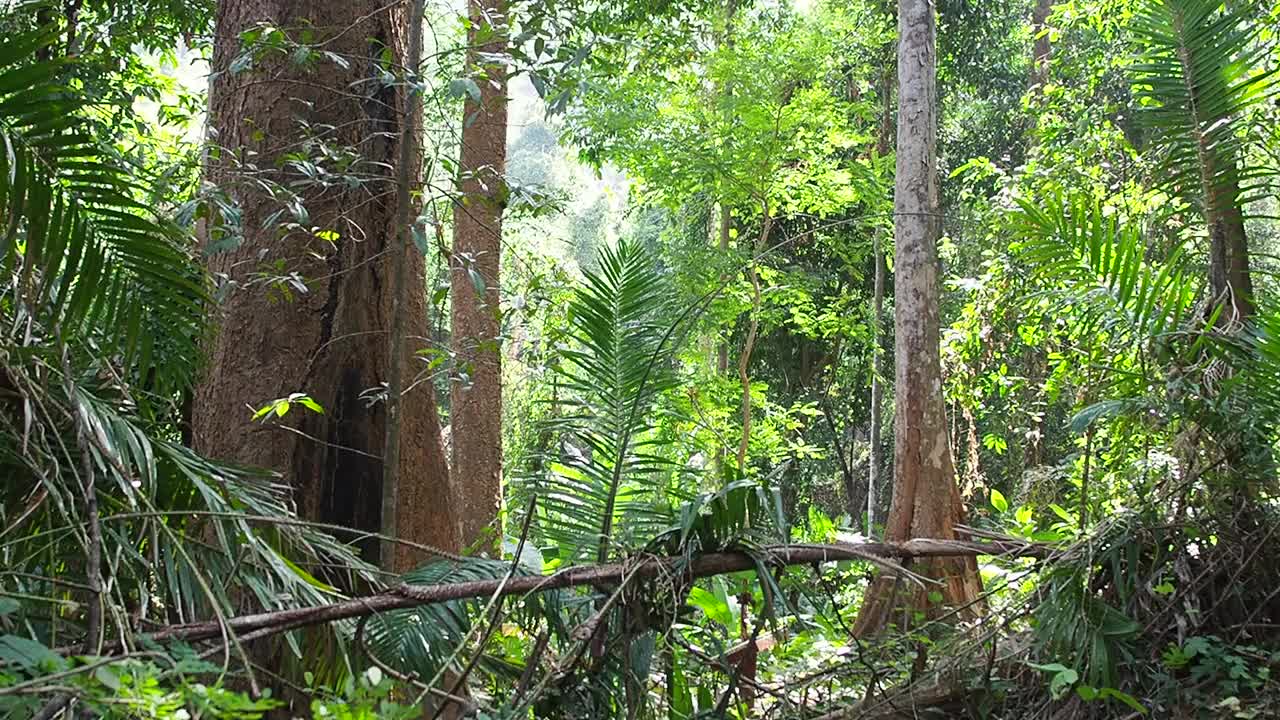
876	459
926	502
1041	46
476	405
1229	276
330	341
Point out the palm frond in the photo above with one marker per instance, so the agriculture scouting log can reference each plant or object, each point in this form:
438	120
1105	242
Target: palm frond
1098	265
188	537
603	491
1201	72
429	639
78	253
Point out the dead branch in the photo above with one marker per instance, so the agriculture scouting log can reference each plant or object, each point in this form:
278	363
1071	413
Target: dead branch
407	596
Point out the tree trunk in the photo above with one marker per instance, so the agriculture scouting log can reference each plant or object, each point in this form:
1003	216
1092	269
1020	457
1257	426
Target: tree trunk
926	503
876	457
1229	276
1041	44
726	231
726	226
476	403
1035	358
328	340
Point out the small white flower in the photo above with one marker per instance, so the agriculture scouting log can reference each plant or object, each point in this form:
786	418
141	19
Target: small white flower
374	674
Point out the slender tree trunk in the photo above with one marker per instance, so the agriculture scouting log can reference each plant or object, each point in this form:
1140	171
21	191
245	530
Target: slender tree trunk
476	404
726	225
926	502
876	460
329	341
1041	45
726	230
1035	358
726	214
749	344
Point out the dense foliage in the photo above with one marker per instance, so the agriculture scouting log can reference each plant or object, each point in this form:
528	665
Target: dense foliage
697	196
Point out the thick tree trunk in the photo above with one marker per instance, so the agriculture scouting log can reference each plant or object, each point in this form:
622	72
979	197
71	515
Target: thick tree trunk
926	503
330	340
476	407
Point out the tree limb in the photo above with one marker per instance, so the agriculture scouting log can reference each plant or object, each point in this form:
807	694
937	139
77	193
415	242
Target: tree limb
719	563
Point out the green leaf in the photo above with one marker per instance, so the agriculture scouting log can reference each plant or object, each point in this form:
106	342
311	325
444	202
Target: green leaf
460	87
307	402
998	501
106	675
28	653
713	607
1131	701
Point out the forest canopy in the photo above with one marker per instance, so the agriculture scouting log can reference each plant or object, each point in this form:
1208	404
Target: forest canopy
639	359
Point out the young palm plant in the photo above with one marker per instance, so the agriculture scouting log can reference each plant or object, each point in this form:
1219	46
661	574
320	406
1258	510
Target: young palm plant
1201	74
606	493
601	497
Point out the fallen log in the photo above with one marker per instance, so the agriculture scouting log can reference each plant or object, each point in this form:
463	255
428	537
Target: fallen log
718	563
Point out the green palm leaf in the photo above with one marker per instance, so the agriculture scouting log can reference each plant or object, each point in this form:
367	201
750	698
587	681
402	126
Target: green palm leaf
77	250
1201	72
604	492
1097	264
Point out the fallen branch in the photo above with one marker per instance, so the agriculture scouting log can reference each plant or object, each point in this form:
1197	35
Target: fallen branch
407	596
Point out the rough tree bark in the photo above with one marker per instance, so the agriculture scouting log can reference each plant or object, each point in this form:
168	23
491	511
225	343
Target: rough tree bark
476	403
926	503
329	341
